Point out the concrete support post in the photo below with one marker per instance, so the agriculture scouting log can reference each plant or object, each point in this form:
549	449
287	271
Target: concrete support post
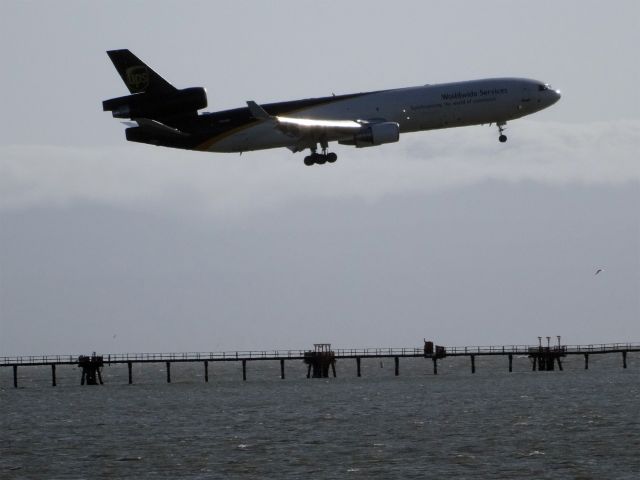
586	361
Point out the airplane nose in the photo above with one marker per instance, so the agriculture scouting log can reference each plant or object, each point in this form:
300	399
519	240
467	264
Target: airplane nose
556	95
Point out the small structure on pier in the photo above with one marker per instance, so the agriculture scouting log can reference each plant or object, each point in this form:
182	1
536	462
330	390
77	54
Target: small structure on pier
430	352
91	366
545	358
434	354
319	360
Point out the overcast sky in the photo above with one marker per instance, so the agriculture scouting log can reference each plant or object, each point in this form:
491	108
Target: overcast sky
119	247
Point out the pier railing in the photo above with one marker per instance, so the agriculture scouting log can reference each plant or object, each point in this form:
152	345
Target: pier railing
195	356
299	354
602	347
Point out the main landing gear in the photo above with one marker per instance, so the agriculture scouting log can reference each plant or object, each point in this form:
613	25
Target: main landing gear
320	158
501	128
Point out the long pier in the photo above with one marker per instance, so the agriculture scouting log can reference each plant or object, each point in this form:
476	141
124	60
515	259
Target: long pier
320	359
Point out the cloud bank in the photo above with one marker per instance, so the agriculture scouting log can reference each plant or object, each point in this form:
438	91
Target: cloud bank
143	177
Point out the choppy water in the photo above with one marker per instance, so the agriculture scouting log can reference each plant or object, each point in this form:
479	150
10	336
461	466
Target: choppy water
494	424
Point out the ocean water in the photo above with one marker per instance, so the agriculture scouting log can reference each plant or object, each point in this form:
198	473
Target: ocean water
494	424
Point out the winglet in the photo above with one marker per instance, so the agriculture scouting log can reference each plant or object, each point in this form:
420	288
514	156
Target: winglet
257	111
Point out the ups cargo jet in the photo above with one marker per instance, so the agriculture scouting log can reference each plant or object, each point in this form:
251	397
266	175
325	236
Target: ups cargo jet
169	117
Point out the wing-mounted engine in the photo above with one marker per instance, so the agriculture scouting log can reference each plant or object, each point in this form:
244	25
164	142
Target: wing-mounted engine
374	134
157	105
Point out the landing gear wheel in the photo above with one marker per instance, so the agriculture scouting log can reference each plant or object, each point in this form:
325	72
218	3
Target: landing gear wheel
320	158
501	128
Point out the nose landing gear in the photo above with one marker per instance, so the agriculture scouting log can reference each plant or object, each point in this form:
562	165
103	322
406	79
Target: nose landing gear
501	128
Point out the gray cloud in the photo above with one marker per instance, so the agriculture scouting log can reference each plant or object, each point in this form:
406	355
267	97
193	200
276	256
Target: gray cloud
141	177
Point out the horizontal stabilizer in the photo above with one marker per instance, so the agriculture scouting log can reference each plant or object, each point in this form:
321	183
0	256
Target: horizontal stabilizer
153	126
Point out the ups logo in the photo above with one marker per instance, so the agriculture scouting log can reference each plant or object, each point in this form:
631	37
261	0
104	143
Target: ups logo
137	78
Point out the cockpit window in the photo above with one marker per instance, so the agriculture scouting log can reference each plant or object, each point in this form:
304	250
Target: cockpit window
542	88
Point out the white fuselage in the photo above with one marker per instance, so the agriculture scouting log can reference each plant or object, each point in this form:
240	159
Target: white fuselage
427	107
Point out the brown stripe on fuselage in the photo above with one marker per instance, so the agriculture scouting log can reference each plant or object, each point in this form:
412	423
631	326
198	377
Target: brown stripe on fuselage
204	146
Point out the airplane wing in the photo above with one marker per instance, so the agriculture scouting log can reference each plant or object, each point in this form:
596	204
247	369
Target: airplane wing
260	113
307	132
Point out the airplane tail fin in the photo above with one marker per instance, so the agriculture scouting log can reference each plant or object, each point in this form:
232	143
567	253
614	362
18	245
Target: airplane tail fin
164	114
138	76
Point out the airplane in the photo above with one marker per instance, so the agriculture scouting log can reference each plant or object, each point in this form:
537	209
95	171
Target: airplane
170	117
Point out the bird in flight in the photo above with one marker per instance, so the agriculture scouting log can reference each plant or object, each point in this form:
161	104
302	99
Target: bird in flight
598	271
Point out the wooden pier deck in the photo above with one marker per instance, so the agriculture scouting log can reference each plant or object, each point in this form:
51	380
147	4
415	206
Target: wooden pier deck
542	357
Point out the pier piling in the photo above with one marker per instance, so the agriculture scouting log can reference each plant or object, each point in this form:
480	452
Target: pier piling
586	361
15	376
397	365
510	363
545	358
320	359
53	374
206	370
435	365
358	366
282	368
130	368
624	359
244	370
473	364
91	366
168	372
